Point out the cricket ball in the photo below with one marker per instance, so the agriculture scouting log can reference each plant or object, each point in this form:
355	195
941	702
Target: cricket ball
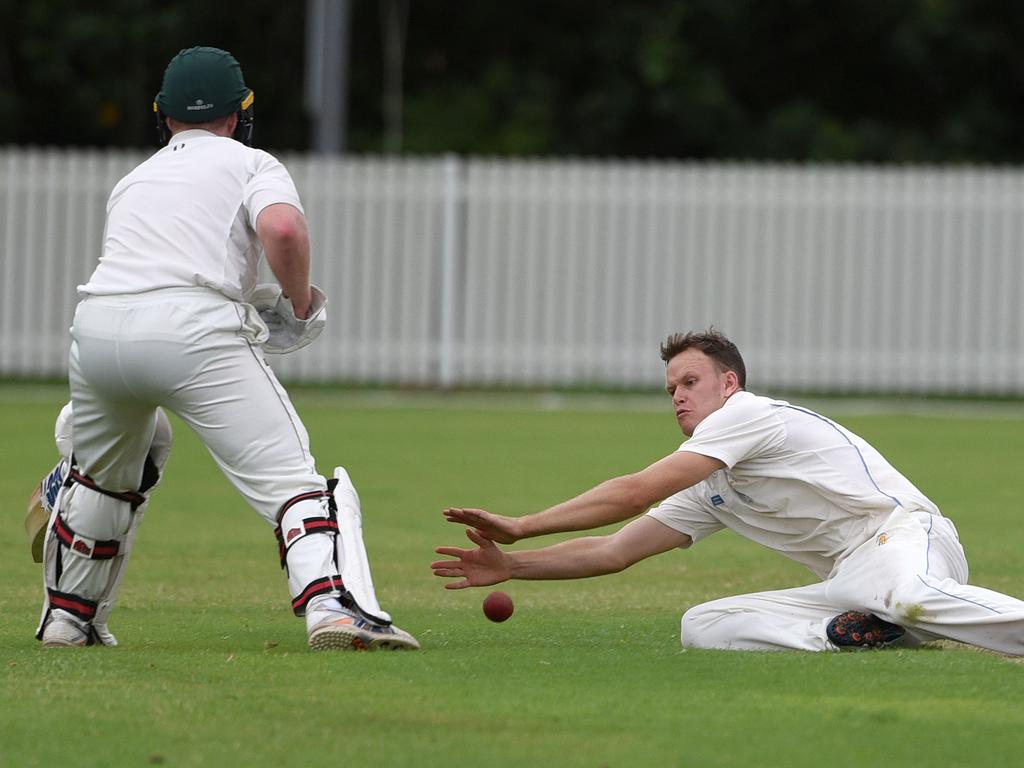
498	606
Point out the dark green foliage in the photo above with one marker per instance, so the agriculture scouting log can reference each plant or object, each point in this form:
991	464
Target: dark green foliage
879	81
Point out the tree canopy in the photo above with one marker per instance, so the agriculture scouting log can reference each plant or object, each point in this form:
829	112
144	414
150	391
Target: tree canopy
822	80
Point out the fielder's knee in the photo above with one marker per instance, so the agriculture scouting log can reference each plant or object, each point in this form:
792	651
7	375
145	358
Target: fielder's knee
695	627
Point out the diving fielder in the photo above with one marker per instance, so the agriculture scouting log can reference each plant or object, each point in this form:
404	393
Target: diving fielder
890	567
172	318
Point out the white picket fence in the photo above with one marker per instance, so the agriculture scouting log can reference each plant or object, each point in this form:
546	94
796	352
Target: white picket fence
451	271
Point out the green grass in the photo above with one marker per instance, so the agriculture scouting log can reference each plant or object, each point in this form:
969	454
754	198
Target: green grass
212	669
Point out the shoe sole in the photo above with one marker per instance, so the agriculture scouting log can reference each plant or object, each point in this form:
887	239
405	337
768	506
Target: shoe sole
62	644
862	632
351	639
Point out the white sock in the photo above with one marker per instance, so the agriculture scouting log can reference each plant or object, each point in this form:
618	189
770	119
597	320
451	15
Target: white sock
324	603
323	608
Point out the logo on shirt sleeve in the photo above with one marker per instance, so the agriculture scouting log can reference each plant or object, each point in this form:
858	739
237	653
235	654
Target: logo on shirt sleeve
717	500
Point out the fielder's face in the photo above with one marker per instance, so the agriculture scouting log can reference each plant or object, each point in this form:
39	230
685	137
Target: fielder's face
697	387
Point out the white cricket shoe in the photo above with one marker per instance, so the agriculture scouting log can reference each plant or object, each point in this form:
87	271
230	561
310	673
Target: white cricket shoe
62	631
331	627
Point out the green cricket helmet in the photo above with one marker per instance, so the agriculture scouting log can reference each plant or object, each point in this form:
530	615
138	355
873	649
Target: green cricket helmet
203	84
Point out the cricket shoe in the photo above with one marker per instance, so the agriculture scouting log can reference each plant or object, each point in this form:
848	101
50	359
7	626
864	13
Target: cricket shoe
61	631
339	629
854	629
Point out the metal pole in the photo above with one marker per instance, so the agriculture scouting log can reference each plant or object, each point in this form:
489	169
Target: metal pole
327	57
452	225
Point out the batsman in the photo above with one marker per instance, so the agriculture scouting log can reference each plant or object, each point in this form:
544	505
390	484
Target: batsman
172	319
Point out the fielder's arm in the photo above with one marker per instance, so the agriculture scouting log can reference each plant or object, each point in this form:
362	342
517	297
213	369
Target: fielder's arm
284	234
575	559
610	502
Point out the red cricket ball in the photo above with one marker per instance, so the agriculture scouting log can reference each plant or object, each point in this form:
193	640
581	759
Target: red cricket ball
498	606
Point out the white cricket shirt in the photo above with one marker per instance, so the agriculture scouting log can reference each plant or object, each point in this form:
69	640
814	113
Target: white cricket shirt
186	217
793	481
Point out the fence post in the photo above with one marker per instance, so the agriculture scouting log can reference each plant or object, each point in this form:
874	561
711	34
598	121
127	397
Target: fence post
450	235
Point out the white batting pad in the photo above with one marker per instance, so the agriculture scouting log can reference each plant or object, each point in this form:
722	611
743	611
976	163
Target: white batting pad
356	569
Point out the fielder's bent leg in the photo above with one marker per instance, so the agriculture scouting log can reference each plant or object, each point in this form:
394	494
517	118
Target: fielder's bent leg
914	575
781	620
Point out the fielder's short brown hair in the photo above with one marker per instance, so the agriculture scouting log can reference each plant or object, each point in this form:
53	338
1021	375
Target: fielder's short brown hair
712	343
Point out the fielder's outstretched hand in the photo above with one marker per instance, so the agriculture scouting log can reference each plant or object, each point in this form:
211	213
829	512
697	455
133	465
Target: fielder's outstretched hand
478	567
504	530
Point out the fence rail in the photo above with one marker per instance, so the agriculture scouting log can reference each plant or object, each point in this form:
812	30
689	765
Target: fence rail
472	272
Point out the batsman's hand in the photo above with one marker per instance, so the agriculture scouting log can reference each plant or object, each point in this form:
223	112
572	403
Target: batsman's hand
288	332
478	567
504	530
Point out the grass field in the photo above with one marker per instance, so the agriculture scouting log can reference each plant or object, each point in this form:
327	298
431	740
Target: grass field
213	671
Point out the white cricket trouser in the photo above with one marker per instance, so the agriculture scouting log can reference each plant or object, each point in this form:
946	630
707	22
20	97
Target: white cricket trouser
191	351
913	573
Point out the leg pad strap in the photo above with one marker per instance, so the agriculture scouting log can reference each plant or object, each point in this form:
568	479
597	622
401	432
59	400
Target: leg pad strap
94	550
326	585
134	498
290	531
78	607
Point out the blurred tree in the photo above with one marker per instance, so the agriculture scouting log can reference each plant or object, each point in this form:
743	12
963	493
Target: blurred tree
839	80
86	76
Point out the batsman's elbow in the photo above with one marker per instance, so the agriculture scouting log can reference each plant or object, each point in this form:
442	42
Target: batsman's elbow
281	223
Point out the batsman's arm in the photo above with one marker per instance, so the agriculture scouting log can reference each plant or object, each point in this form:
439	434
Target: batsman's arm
575	559
284	234
610	502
